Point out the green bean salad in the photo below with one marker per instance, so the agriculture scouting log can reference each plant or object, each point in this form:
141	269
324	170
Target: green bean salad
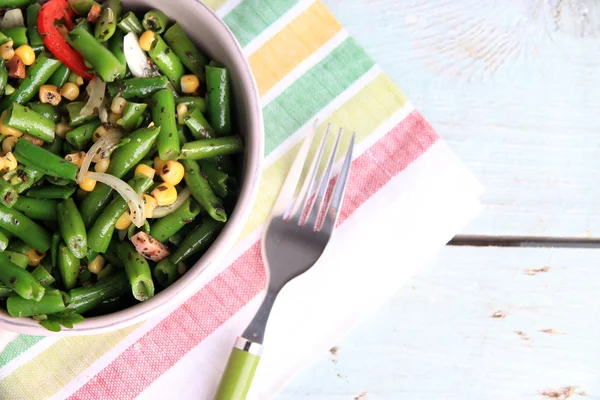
119	159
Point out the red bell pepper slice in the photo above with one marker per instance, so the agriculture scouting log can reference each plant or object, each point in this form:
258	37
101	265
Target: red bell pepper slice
60	10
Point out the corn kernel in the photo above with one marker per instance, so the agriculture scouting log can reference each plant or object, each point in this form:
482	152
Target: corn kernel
14	180
50	94
6	51
96	265
172	172
113	118
118	105
146	170
76	158
6	130
146	40
87	184
8	144
189	83
70	91
182	111
26	54
102	165
159	164
149	206
165	194
35	257
100	133
124	222
10	162
62	129
76	79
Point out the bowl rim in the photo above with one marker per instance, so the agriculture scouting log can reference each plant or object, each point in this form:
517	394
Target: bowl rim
173	296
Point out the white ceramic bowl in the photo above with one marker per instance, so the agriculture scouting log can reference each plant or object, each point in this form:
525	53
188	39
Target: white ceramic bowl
211	34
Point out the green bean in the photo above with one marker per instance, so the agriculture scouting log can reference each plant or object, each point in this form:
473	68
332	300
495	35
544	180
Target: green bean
91	255
122	161
37	75
102	231
197	240
202	192
98	56
14	3
112	255
41	209
155	21
82	7
4	39
85	278
51	192
138	271
198	125
209	148
32	12
50	303
186	50
167	226
132	115
131	23
218	179
163	115
192	102
217	100
28	121
8	194
165	272
181	134
75	117
54	147
25	178
133	230
107	23
84	299
106	272
115	45
4	240
3	76
60	77
82	135
20	260
137	87
42	276
5	291
167	61
41	159
24	228
46	110
19	280
19	246
57	181
54	250
68	265
72	228
18	35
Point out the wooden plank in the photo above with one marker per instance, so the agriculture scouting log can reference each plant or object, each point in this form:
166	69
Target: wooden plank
438	337
513	87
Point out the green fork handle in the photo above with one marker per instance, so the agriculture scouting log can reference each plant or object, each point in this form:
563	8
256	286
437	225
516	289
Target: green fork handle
239	372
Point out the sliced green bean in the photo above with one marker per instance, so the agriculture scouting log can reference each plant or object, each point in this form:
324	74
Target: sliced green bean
138	87
81	136
85	299
210	148
98	56
24	178
19	280
51	192
218	179
68	265
47	110
50	303
198	240
163	115
155	21
82	7
24	228
60	77
115	45
218	100
4	241
167	226
41	209
8	194
192	102
28	121
3	76
198	125
18	35
138	271
107	23
37	75
54	250
72	227
131	23
202	192
20	260
167	61
41	159
35	40
165	272
186	50
132	115
42	276
75	117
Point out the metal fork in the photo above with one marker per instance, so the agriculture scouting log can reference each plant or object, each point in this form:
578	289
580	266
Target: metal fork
293	240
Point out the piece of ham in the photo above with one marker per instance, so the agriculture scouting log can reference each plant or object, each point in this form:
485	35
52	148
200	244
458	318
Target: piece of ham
94	14
16	68
149	247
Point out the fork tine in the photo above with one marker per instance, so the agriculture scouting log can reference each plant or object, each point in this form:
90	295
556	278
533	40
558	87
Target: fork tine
335	204
315	209
288	189
307	188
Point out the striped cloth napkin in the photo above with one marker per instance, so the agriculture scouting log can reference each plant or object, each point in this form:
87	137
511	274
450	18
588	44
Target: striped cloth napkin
408	195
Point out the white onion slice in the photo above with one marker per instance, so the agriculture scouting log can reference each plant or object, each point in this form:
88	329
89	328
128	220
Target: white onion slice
95	89
103	144
137	61
134	200
160	212
103	114
12	19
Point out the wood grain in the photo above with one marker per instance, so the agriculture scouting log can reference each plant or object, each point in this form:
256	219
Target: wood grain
480	323
513	87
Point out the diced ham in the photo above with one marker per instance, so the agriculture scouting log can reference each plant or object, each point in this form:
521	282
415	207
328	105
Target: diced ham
94	14
16	68
149	247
